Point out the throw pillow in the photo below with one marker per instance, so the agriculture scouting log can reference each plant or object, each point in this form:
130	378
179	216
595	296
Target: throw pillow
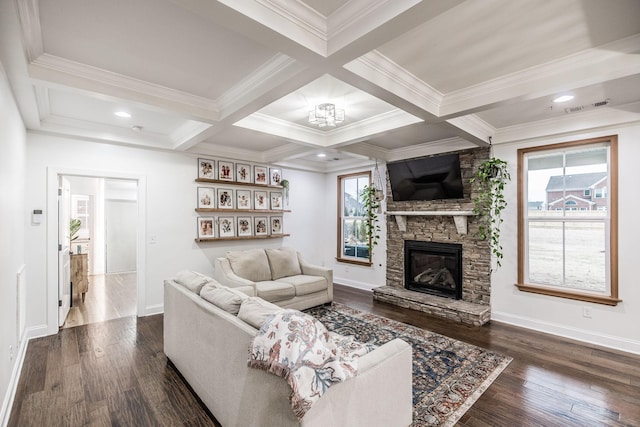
192	280
223	297
255	311
283	262
251	264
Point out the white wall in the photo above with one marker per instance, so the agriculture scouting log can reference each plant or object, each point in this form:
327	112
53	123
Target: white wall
170	216
12	225
363	277
610	326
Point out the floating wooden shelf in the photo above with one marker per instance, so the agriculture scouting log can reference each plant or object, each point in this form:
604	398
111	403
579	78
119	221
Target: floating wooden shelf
249	211
459	217
218	239
246	184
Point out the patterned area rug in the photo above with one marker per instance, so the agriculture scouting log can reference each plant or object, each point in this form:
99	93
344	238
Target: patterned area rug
448	375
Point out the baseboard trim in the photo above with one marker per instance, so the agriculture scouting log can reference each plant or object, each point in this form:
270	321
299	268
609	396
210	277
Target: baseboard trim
7	404
609	341
150	310
354	284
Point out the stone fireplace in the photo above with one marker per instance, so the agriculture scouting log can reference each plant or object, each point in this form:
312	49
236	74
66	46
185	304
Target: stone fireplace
438	223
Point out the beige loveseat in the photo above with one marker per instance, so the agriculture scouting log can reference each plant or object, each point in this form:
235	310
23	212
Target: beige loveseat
209	345
280	276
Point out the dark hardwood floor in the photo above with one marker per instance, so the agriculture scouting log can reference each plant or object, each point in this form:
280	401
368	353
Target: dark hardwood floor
114	373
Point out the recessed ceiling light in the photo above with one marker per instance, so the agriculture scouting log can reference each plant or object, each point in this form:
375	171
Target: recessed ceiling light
563	98
123	114
321	155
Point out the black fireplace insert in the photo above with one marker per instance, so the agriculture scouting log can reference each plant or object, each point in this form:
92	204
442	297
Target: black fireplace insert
433	268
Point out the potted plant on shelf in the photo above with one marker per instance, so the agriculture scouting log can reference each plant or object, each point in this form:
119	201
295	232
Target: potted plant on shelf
371	204
285	187
489	202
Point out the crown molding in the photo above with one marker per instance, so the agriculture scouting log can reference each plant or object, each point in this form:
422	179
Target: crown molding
31	30
591	66
475	129
357	18
430	148
293	20
189	134
54	69
99	132
367	150
284	129
300	14
278	67
42	101
600	118
383	72
369	127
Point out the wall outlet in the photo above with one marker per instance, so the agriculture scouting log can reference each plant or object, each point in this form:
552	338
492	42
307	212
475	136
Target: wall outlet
586	312
10	352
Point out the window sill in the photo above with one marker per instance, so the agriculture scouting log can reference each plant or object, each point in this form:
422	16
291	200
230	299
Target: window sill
597	299
367	263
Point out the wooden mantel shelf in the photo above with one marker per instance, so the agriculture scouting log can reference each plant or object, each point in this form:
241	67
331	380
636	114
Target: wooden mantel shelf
459	218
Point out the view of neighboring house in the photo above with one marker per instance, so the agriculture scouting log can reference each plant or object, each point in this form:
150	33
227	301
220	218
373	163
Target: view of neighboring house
581	192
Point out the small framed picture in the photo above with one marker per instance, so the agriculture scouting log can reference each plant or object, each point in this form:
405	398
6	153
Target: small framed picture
206	168
225	171
276	200
260	226
244	226
205	227
243	199
260	175
275	176
276	224
260	200
243	173
206	197
225	198
227	227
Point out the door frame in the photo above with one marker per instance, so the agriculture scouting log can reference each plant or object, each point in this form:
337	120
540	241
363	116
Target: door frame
52	236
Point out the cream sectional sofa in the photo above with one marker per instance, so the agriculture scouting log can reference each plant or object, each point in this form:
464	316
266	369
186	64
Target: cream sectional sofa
209	345
280	276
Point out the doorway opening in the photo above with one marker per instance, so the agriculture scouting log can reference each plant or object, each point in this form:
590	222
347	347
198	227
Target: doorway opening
103	249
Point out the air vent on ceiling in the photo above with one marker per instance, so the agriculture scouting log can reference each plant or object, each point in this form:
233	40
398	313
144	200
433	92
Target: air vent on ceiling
587	107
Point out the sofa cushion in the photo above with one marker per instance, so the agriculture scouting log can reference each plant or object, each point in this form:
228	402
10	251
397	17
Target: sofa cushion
275	291
255	311
223	297
251	264
192	280
305	285
283	262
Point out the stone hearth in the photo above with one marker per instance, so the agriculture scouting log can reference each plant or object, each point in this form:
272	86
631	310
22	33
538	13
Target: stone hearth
474	308
458	310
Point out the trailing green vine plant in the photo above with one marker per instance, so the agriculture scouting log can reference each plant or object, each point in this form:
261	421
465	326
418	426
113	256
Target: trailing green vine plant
490	179
371	204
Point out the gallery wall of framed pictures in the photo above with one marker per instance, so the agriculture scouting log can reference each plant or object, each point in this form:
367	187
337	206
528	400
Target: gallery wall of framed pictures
237	200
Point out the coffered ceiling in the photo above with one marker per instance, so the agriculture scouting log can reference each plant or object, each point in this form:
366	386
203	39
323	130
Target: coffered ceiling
237	79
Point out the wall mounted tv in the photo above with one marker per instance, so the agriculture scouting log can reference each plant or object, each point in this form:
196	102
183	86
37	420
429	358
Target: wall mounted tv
426	178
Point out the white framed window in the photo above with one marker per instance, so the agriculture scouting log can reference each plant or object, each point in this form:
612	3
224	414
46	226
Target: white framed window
353	245
565	251
601	193
587	192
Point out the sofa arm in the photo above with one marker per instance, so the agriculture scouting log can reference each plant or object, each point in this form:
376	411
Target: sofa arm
225	275
316	270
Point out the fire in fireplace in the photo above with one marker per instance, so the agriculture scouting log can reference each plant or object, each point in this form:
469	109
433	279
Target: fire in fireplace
433	268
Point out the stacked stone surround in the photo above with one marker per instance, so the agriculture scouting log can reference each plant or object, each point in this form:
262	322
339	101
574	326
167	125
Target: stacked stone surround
474	308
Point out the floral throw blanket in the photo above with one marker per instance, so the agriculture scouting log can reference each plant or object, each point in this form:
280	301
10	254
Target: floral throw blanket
299	348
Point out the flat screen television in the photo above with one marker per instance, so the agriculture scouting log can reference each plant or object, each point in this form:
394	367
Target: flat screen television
426	178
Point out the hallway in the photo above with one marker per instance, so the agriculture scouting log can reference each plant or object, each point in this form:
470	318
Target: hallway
110	296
